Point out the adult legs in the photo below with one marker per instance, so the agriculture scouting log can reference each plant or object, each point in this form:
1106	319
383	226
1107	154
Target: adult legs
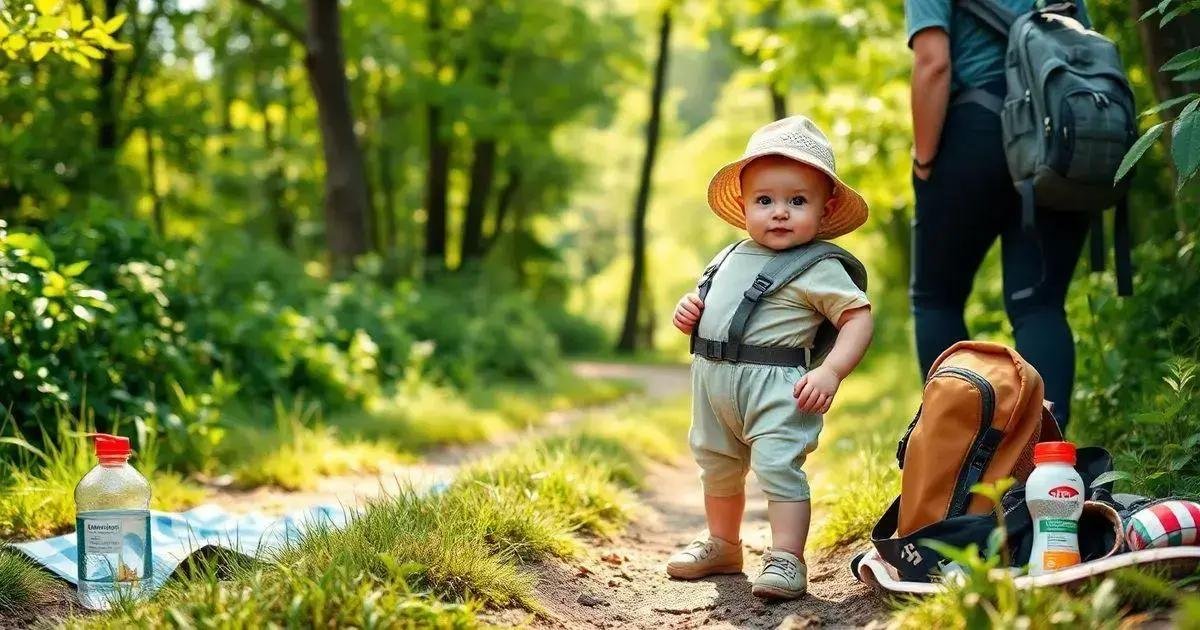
1039	321
960	212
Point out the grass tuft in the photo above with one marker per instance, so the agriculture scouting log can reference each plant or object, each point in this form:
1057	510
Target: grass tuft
865	491
404	553
24	586
37	486
298	450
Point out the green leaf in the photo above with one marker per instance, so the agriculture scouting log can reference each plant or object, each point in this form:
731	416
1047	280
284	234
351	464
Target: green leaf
1185	145
38	50
1190	75
1176	12
115	23
1138	149
1109	477
1165	105
78	20
4	29
74	269
82	313
24	445
16	42
1182	60
46	7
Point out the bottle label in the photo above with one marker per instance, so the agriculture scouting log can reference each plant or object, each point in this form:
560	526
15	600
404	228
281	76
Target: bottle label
1058	525
114	545
1054	560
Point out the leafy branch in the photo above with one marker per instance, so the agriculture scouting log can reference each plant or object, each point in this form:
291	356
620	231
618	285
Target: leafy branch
1185	129
60	27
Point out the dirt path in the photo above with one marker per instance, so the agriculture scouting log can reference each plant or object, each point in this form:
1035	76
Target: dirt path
621	583
439	466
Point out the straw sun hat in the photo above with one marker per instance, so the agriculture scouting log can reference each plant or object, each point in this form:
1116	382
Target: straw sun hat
799	139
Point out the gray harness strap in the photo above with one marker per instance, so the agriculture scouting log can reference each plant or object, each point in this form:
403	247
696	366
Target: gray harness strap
778	272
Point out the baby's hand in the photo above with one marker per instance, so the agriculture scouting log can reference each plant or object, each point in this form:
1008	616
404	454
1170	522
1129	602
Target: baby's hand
814	391
687	312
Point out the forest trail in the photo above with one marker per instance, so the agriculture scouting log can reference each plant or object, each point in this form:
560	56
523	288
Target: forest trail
621	583
438	467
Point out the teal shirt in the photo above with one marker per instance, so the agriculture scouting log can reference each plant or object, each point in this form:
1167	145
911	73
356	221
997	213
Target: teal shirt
976	53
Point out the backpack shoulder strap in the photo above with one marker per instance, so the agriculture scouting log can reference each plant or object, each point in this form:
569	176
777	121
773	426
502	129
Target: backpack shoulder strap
996	16
706	277
778	272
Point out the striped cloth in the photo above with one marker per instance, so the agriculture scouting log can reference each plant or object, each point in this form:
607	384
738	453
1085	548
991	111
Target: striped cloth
1173	523
176	536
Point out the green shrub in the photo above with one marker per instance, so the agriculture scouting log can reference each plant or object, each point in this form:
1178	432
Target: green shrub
1137	358
162	335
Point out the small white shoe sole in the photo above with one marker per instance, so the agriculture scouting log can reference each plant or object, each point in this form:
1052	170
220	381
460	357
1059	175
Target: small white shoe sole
775	592
693	572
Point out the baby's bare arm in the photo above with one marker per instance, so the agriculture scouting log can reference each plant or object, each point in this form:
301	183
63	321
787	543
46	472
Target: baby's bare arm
855	330
815	390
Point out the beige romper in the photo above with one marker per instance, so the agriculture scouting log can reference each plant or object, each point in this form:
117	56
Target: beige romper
743	415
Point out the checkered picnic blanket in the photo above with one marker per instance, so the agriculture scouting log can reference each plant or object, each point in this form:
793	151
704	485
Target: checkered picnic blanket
176	536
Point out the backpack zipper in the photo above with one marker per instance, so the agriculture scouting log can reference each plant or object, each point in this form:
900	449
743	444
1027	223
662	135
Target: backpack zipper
987	398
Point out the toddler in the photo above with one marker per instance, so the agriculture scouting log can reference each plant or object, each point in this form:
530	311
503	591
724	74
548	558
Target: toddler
756	404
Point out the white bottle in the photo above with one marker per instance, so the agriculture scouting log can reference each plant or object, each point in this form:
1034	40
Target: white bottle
1054	493
112	525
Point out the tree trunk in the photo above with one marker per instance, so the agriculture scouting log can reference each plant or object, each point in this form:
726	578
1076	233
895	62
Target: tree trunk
483	172
438	173
282	221
160	219
345	177
483	165
104	175
778	102
637	275
387	179
106	138
503	203
1160	44
778	92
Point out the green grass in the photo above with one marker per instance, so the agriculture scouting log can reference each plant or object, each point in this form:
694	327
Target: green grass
854	475
406	554
24	586
37	486
300	446
1124	598
298	450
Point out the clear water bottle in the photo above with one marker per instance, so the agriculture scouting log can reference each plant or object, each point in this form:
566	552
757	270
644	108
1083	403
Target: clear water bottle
112	527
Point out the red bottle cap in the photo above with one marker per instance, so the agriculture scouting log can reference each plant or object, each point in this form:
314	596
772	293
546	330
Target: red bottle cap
1057	452
111	446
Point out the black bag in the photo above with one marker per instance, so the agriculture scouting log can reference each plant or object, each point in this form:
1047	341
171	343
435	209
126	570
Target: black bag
915	561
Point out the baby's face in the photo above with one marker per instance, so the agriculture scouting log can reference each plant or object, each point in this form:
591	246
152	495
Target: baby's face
784	201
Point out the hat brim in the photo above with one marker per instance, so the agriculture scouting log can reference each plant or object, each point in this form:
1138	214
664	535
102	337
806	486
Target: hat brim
848	212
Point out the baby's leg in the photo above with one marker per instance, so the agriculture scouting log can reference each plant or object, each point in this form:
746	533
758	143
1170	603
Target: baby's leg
724	516
789	525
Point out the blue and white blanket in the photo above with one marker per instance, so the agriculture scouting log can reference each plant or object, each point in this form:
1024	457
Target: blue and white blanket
176	536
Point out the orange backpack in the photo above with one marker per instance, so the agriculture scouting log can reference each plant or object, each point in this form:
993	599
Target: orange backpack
981	413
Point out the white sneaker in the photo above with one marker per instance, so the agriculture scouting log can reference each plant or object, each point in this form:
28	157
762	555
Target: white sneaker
706	556
783	576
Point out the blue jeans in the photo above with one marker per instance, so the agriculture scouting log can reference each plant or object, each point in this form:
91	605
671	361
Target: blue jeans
968	201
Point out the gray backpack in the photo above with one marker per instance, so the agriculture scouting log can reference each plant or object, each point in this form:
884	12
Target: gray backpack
1067	119
787	265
